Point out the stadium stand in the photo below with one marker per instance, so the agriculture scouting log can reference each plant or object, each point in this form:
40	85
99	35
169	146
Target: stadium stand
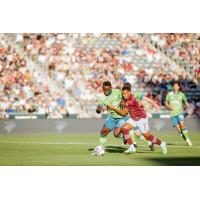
62	73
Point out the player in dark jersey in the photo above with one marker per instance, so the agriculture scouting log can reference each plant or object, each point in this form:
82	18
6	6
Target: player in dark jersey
136	131
138	117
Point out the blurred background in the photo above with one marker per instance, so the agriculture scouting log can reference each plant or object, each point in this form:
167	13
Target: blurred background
59	75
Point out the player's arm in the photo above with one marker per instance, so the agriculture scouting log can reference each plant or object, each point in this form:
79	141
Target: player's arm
189	107
185	101
122	112
100	106
140	103
151	102
122	103
167	104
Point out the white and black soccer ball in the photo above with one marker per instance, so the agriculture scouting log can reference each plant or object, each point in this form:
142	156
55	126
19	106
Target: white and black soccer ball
99	150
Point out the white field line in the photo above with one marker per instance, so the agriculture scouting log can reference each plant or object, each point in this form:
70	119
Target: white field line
37	142
88	144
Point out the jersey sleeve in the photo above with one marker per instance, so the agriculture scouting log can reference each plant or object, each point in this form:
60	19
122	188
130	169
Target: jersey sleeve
138	96
167	97
101	101
119	92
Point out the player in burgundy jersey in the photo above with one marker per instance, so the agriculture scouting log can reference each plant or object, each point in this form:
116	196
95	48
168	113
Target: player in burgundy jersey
138	117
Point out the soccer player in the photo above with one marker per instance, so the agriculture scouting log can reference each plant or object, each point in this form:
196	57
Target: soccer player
174	102
138	118
139	97
136	131
114	120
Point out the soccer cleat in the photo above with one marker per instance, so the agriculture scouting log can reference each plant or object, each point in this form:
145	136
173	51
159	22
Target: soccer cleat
163	146
188	142
135	145
151	146
131	149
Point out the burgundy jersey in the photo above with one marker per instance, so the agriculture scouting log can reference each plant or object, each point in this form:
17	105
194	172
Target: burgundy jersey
136	112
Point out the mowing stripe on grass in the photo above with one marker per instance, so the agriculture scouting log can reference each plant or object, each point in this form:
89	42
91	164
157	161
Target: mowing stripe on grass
88	144
54	143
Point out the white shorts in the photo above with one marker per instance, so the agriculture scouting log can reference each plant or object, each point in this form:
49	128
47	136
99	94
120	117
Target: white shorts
143	124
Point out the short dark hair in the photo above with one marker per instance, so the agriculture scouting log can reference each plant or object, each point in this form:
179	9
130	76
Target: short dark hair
126	88
106	83
179	84
127	84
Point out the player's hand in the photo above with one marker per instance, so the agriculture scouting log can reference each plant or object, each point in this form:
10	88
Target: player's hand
105	108
99	109
122	103
157	106
170	107
190	112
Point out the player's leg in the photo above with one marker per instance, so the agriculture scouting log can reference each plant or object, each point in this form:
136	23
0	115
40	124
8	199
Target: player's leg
155	140
125	131
144	128
139	135
178	128
102	138
133	136
118	133
175	123
178	122
185	132
104	132
119	125
108	126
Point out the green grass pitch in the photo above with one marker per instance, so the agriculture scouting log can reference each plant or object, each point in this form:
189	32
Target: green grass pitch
76	149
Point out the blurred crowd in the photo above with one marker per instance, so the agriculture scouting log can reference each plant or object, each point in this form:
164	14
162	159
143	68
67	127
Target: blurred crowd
20	92
79	63
184	48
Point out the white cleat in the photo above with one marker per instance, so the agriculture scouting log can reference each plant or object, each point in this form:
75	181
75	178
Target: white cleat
131	149
163	146
188	142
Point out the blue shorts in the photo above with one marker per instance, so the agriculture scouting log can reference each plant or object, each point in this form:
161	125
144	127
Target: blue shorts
177	119
136	128
113	123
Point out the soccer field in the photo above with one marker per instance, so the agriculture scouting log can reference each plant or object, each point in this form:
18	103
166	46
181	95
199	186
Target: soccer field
38	150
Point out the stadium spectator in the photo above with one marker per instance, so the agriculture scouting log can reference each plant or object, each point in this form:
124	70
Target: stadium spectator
79	63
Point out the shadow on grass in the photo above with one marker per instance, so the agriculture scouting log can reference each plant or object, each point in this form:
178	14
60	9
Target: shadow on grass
117	149
170	144
174	144
112	149
177	161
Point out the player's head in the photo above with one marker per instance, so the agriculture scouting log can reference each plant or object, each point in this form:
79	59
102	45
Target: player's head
126	92
126	84
177	86
107	88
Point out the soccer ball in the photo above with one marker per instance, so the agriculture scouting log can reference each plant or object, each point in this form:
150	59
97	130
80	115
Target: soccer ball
99	150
